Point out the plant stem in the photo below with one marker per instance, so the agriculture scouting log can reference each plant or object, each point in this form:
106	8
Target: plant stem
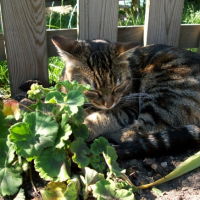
31	179
25	107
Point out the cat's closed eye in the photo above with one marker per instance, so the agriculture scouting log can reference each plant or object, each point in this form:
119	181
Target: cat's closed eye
93	94
119	89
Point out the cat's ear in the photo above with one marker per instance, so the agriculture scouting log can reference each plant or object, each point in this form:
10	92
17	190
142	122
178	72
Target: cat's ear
65	46
124	50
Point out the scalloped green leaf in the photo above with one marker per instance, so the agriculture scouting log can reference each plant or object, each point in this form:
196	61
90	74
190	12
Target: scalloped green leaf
80	150
98	162
65	119
74	85
54	97
79	117
110	158
71	110
75	98
36	132
43	107
99	146
105	190
10	178
20	195
53	165
63	135
3	130
126	186
54	191
80	131
73	189
92	176
7	152
62	191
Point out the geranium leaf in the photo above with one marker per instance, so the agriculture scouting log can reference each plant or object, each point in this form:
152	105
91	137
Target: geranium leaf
79	117
80	131
73	188
62	191
92	176
3	130
20	195
63	135
36	132
54	97
110	158
75	98
80	150
54	191
53	164
11	107
72	86
97	162
99	146
7	150
64	120
43	107
10	178
105	190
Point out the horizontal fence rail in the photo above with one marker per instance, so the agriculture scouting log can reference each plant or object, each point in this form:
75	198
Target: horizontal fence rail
189	37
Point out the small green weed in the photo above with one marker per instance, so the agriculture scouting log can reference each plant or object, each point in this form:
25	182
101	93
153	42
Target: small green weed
4	80
59	20
55	68
191	12
130	16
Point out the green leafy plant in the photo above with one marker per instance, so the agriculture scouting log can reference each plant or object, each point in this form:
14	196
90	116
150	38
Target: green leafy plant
50	135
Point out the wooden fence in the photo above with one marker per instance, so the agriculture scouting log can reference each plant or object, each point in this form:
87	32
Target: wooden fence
28	44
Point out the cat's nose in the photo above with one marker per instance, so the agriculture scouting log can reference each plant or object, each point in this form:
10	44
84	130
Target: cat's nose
108	103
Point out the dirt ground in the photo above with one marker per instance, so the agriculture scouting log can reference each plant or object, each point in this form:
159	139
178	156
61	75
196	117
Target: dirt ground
186	187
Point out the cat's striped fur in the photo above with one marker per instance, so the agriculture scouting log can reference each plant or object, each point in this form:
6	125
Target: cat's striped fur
145	99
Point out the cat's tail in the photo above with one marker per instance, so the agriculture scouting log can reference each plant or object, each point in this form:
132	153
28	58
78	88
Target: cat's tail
164	142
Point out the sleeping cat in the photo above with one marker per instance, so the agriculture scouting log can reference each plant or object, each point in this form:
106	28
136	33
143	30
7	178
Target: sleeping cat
146	100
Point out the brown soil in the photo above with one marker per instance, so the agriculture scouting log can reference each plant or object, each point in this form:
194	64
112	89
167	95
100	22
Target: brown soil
185	187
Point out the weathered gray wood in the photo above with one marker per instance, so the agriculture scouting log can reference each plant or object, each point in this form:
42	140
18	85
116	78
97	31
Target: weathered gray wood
162	21
189	36
25	37
98	19
131	33
2	48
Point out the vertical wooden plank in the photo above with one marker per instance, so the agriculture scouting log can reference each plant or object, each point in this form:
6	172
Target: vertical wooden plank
162	21
98	19
25	38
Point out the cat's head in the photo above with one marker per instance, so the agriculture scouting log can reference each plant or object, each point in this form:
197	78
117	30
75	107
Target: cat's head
101	64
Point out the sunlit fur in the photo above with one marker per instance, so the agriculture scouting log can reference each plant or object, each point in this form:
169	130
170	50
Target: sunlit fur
147	99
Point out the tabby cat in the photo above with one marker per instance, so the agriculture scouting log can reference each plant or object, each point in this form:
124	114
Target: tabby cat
146	100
